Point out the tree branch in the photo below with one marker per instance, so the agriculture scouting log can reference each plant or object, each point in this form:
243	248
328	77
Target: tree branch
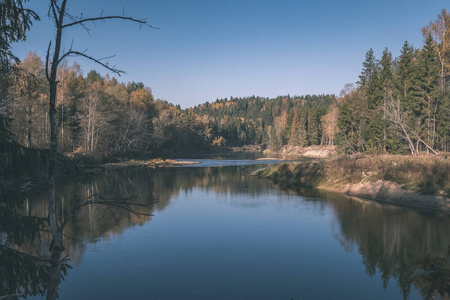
74	19
12	296
141	21
55	15
428	146
47	57
98	61
122	203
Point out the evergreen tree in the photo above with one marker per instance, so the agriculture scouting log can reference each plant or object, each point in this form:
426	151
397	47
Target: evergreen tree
371	90
302	126
405	75
373	94
313	127
15	20
352	122
294	130
443	124
368	71
427	90
275	142
390	142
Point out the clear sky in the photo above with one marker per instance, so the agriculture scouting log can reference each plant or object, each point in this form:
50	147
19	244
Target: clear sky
209	49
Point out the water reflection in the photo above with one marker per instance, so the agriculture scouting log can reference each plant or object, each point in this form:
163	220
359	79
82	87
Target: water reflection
22	270
404	245
395	242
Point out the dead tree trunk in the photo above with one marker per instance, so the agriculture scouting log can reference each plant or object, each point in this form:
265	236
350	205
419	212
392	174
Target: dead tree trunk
57	13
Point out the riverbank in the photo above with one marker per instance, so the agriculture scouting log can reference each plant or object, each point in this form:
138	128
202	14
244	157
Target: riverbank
416	182
310	151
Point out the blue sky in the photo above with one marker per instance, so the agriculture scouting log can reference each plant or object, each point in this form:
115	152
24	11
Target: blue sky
209	49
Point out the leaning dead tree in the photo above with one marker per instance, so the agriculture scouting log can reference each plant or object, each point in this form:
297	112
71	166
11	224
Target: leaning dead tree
399	118
62	19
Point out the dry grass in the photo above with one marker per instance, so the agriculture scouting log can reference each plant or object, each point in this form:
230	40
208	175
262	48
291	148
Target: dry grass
426	175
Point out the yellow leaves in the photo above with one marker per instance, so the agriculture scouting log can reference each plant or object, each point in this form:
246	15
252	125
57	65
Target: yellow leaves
216	105
219	141
440	31
141	98
175	111
329	123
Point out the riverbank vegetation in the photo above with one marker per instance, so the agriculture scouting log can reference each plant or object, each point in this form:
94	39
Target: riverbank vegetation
425	175
401	180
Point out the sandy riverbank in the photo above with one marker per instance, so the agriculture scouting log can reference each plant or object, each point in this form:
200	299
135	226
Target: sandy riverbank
310	151
392	193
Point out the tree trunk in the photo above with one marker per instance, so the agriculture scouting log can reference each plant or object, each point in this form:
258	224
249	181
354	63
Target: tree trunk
29	124
54	226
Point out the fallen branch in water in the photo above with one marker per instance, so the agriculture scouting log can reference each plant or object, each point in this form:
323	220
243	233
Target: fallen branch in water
12	296
122	203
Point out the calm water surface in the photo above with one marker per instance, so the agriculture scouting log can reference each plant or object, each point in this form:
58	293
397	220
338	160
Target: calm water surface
219	233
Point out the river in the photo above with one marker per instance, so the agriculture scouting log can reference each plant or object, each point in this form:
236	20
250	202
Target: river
216	232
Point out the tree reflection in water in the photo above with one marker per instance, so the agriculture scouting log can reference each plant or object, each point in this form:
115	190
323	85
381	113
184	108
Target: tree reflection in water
432	276
32	263
405	245
402	244
22	272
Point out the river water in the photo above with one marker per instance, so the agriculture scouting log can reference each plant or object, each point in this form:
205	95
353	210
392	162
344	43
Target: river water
218	233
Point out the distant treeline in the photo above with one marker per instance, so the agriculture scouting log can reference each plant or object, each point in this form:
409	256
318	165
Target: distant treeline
297	120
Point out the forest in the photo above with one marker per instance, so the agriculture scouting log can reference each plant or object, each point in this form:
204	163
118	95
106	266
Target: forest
100	115
96	114
399	105
402	105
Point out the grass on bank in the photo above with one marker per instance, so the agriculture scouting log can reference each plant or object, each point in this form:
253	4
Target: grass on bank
425	175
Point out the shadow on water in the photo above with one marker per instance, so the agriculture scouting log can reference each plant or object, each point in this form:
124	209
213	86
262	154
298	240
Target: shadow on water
406	245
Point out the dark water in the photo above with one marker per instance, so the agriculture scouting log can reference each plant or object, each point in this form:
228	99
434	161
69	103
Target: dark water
219	233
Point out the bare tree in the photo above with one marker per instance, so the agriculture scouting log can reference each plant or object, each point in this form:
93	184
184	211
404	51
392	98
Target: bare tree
347	89
59	14
399	118
329	124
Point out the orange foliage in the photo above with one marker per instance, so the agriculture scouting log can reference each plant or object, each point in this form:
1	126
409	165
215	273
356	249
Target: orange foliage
141	98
